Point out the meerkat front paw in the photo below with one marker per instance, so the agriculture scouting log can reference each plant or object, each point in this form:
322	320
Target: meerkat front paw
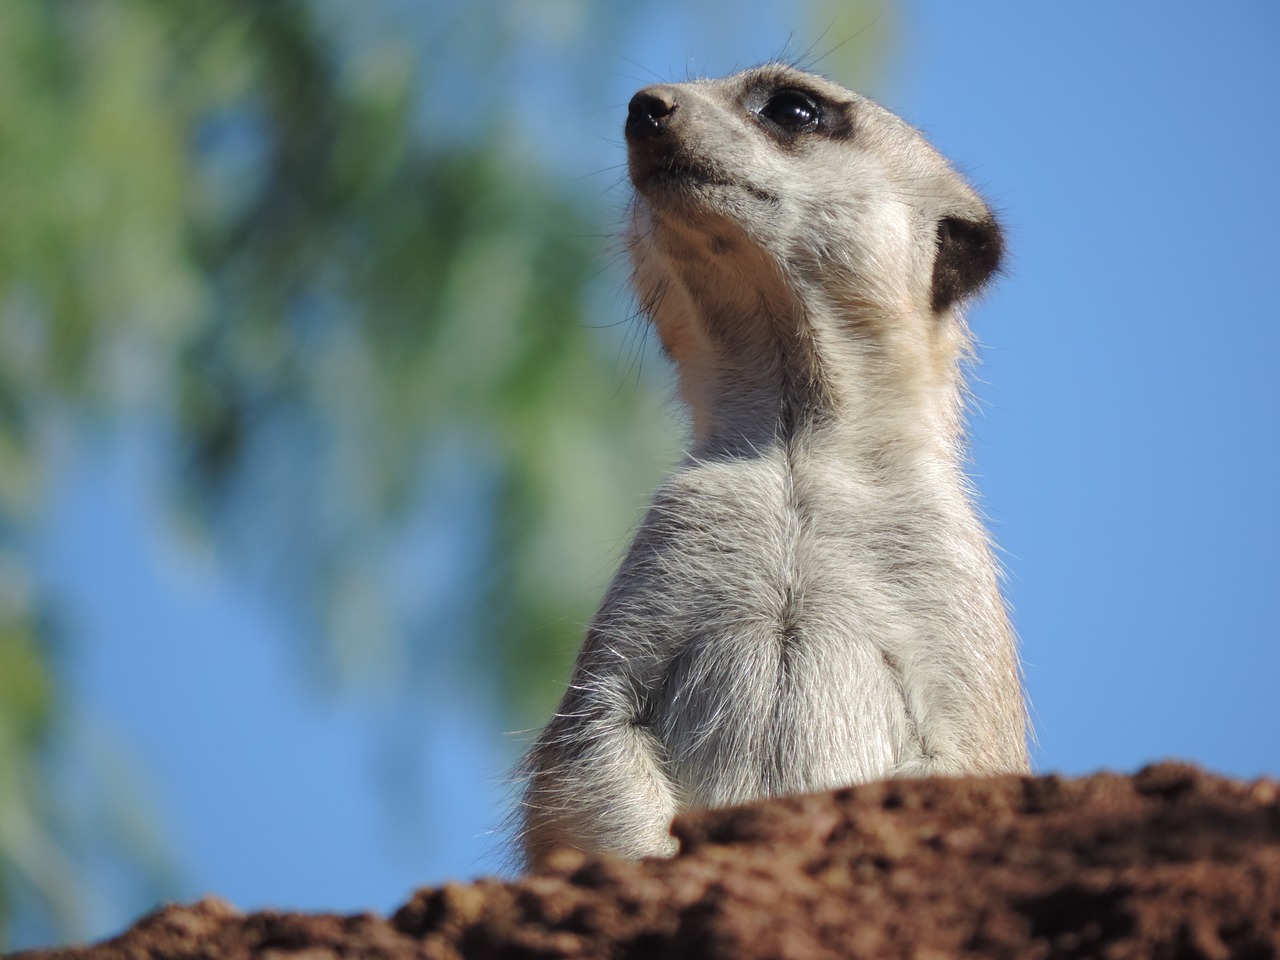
925	765
665	848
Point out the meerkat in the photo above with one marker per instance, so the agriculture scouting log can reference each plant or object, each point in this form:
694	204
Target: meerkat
811	600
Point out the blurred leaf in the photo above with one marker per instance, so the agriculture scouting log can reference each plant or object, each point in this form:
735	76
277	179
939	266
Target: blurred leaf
218	219
311	250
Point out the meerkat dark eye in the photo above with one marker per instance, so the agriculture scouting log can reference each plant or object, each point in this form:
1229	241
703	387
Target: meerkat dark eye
792	110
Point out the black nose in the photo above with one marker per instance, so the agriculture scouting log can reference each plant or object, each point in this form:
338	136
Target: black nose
649	112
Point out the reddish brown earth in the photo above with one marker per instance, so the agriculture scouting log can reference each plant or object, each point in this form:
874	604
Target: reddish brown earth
1172	862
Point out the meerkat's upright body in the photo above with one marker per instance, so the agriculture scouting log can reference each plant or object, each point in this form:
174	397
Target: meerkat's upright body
811	600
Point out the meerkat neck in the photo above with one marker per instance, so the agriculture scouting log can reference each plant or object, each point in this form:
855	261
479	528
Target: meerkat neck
853	387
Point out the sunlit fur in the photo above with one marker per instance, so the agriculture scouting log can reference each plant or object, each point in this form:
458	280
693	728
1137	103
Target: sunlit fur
811	600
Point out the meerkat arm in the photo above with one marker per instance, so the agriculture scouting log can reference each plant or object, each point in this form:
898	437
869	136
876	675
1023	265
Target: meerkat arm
599	737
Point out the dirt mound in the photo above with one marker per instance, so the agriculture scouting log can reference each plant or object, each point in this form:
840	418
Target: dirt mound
1172	862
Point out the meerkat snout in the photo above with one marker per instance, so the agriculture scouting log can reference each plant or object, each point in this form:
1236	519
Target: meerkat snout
810	600
648	111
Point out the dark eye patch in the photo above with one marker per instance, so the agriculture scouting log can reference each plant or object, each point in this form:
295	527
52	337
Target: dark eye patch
789	113
793	110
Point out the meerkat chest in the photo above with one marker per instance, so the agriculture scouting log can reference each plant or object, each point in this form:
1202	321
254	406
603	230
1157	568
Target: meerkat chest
776	680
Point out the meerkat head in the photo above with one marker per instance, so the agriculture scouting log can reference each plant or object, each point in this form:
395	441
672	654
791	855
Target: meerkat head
776	193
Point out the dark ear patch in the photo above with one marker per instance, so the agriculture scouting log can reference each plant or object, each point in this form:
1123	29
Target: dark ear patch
969	253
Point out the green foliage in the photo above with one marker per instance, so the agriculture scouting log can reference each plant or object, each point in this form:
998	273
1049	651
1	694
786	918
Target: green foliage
216	220
276	239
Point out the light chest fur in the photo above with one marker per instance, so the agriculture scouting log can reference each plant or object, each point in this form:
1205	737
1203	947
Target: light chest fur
811	600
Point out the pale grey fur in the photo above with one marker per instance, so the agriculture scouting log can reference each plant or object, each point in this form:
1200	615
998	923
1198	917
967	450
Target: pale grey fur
811	600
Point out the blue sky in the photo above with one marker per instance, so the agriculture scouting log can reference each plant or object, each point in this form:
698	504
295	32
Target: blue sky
1125	443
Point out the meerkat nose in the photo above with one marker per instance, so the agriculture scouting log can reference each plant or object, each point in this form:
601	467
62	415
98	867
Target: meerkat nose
649	111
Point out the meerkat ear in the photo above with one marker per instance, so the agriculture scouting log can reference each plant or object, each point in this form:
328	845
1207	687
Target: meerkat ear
969	252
